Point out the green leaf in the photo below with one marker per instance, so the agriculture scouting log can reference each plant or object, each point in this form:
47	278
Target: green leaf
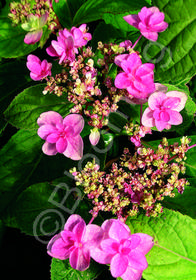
184	203
175	51
61	270
65	10
14	77
93	10
25	109
12	40
173	256
33	213
22	163
190	162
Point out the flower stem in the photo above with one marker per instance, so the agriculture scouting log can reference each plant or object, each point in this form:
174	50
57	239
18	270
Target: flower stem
91	220
192	146
136	41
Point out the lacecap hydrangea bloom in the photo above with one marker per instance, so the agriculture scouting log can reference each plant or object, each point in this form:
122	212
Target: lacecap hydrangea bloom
137	78
68	42
125	252
75	241
39	69
61	135
149	21
163	110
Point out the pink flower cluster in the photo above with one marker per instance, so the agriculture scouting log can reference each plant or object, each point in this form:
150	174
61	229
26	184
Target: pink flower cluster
112	243
149	21
61	135
137	78
163	110
68	42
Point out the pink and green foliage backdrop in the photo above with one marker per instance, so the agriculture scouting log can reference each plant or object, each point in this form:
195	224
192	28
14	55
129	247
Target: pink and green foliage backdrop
61	178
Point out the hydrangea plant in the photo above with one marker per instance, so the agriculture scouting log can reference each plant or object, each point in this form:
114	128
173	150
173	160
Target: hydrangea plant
98	130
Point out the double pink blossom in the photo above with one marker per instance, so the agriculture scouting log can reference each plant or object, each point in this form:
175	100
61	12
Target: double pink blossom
39	69
149	21
137	78
68	42
125	252
75	242
163	110
61	135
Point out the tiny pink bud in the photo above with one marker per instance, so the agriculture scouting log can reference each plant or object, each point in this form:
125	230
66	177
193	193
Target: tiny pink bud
94	136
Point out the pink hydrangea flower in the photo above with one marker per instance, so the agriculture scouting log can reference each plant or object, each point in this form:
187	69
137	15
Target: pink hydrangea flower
39	69
163	110
75	242
137	78
127	44
61	135
63	48
68	42
80	35
124	252
149	21
34	25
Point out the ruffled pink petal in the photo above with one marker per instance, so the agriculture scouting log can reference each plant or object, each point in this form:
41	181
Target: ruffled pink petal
181	95
33	37
49	149
93	236
147	118
145	69
154	9
68	238
74	148
137	260
135	241
132	20
160	125
61	145
122	81
56	248
119	58
146	242
79	230
50	117
133	61
76	121
34	67
110	246
51	51
79	259
118	232
145	14
45	130
33	58
160	87
72	221
156	18
35	77
58	48
152	36
100	256
132	274
156	99
160	27
52	138
171	102
118	265
175	118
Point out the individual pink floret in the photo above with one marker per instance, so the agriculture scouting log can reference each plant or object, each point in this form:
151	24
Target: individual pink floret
63	47
61	135
125	252
137	78
80	35
163	110
39	69
149	21
127	44
75	242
